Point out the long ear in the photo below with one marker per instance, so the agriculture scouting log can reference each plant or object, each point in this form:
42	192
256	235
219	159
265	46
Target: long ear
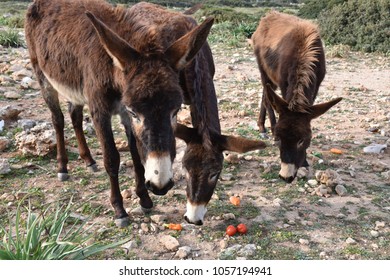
186	134
117	48
185	48
278	103
319	109
238	144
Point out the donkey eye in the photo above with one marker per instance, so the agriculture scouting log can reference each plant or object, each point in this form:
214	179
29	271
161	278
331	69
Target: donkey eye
132	113
300	143
213	177
174	114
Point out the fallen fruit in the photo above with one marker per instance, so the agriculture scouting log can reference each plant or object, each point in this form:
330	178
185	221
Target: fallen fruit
231	230
336	151
235	200
241	228
174	226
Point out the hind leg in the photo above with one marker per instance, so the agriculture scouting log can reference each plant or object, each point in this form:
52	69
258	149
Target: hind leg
265	107
76	114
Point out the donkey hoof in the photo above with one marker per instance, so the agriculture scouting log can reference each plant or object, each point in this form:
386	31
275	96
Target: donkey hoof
62	177
122	222
146	210
92	168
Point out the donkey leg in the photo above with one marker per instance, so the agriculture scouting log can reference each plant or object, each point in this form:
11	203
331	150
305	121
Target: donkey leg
50	95
76	114
262	115
102	122
140	189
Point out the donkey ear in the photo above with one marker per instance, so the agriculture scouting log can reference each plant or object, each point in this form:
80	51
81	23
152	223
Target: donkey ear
278	103
185	48
117	48
185	133
319	109
239	144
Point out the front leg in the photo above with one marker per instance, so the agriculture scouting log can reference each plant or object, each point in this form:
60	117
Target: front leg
139	171
102	122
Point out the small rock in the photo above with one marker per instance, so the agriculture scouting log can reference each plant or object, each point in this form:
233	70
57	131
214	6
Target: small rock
227	177
130	245
375	148
126	194
303	241
169	242
223	244
323	255
137	211
12	95
26	82
350	241
9	112
228	216
19	75
303	172
374	233
4	143
231	158
248	250
4	166
144	227
277	202
341	190
26	124
183	252
312	182
379	225
158	219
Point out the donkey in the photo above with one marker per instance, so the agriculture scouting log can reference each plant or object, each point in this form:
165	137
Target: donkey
117	61
290	56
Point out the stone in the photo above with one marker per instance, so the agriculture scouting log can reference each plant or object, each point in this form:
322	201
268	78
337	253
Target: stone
158	219
228	216
26	82
26	124
4	143
4	166
350	241
9	113
12	95
375	148
183	252
138	211
169	242
19	75
144	227
379	225
341	190
248	250
312	182
374	233
130	245
39	140
126	194
303	241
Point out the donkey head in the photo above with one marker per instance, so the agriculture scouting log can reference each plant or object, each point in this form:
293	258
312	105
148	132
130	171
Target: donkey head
152	95
203	166
293	133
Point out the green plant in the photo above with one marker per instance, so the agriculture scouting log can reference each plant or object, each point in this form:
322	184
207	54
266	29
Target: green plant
10	38
50	235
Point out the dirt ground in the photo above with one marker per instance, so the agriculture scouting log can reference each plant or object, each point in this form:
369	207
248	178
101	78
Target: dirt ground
285	221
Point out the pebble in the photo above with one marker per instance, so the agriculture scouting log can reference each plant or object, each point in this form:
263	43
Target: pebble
374	233
375	148
12	95
277	202
26	124
323	255
312	182
350	241
228	216
137	211
303	241
4	143
4	166
126	194
144	227
341	190
183	252
169	242
130	245
158	219
379	225
248	250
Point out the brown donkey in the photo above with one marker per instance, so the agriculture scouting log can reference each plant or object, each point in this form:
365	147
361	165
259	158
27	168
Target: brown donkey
90	52
141	63
290	56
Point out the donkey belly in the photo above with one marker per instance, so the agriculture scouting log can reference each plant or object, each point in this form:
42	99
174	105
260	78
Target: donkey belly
74	96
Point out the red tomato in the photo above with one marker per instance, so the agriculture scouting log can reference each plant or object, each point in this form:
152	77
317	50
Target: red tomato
241	228
231	230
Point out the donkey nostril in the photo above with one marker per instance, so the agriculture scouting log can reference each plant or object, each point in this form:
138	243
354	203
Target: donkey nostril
156	172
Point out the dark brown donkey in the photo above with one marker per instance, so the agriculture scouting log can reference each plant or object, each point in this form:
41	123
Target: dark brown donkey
141	63
90	52
290	56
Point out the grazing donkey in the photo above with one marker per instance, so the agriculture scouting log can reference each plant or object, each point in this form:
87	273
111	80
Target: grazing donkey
90	52
290	56
141	63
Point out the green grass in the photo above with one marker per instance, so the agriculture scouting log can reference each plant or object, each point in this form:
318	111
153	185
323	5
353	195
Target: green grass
51	234
10	38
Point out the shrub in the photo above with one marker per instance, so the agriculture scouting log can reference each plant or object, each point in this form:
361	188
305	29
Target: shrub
10	38
50	235
362	24
312	8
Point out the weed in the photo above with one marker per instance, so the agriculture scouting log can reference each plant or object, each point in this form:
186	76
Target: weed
10	38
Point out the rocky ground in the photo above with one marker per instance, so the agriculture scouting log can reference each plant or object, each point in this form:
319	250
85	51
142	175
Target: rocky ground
338	210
